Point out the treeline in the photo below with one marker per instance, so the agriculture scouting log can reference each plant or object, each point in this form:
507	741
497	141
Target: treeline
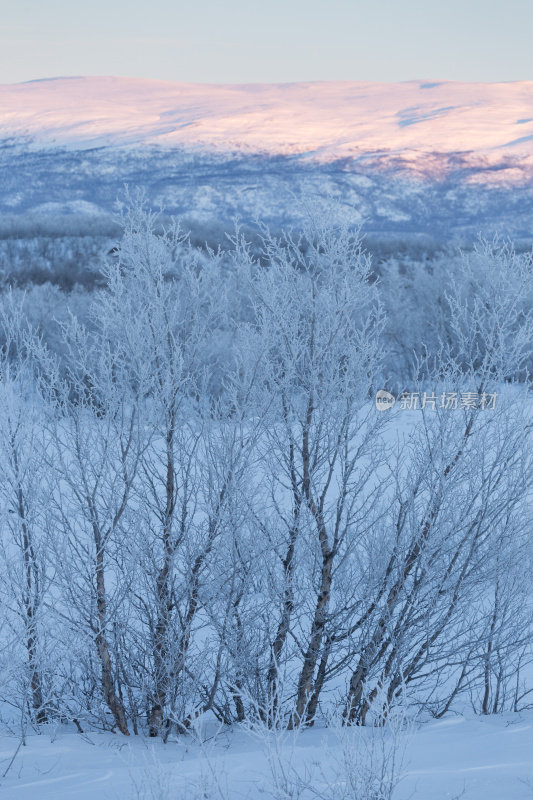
202	509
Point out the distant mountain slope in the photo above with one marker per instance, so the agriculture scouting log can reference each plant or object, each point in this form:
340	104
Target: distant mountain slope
413	156
326	120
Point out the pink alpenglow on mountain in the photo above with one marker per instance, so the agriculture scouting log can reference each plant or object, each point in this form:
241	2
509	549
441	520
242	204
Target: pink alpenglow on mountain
321	121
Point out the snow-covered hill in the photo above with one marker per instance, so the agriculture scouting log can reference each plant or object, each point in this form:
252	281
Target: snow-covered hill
325	120
416	156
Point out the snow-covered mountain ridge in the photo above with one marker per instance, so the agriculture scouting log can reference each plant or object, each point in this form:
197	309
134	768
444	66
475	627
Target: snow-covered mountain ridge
385	149
326	119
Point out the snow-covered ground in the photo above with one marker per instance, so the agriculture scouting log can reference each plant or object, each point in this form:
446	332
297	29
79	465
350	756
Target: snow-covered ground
476	758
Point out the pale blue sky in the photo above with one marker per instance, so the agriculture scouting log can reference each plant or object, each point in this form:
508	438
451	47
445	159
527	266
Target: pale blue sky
240	41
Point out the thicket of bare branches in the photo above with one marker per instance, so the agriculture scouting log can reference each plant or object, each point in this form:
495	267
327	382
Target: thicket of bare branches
202	509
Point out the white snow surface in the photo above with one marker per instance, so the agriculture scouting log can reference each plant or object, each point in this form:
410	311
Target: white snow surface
476	758
322	120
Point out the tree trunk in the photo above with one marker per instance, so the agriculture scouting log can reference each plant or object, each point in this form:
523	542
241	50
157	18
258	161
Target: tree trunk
164	603
108	686
31	601
285	620
305	683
